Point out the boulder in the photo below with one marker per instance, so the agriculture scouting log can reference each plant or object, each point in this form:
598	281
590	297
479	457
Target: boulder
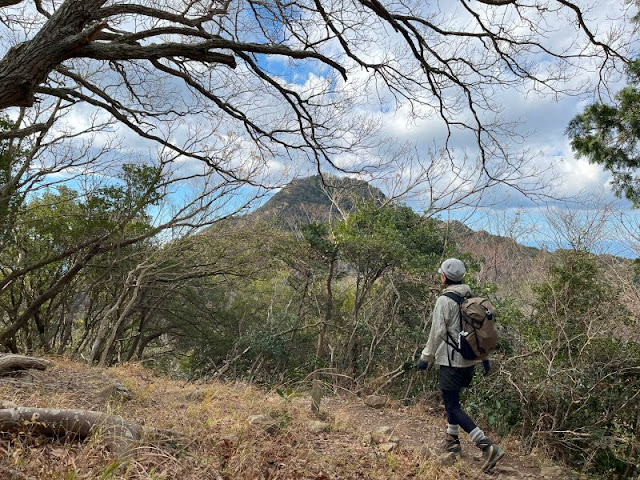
116	392
376	401
447	459
552	472
383	434
387	446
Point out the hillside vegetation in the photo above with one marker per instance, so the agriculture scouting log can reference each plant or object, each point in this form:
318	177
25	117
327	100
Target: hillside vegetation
323	305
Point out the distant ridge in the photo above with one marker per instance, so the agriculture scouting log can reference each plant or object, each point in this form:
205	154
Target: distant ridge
309	199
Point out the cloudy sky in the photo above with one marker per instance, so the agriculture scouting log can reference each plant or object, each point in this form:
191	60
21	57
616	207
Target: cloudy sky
574	190
540	176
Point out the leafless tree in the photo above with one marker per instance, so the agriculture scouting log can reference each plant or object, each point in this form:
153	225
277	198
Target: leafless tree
231	65
582	228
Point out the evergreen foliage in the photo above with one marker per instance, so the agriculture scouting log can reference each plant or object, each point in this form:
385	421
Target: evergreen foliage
60	247
609	134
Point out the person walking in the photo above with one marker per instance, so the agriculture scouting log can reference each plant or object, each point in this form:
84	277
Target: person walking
455	372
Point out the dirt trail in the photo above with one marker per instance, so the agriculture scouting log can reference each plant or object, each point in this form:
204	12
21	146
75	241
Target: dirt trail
421	428
217	416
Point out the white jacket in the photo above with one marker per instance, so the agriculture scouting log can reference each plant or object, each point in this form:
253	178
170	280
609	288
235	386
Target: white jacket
446	317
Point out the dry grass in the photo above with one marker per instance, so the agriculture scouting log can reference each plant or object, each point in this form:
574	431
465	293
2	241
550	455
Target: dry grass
215	439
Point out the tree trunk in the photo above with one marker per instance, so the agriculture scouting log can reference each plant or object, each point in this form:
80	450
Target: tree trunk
144	342
328	310
135	339
8	335
67	331
28	64
105	337
116	328
42	332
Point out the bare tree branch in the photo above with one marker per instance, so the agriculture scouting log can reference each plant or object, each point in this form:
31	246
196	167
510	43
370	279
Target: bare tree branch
28	64
8	3
498	2
117	51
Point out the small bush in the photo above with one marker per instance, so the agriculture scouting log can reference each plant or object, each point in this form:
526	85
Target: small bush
568	382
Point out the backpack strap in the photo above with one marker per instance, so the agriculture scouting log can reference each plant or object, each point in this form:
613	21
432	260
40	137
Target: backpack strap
450	340
454	296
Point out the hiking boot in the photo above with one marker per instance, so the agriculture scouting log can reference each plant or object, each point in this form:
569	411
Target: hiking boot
451	444
490	452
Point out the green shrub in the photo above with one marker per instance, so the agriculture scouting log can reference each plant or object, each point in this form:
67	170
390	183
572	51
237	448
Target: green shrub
569	380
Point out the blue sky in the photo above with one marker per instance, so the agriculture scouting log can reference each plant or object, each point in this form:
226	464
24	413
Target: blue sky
404	141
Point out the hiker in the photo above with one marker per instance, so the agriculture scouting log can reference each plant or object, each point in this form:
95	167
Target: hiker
455	372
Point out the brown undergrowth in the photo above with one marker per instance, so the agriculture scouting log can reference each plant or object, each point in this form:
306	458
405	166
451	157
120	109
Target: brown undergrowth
215	439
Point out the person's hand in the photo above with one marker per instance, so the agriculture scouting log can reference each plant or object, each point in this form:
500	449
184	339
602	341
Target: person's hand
486	364
422	365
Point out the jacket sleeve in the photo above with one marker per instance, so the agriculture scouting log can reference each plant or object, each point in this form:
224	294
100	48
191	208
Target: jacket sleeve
438	333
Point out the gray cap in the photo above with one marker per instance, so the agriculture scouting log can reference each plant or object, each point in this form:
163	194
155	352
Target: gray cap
453	269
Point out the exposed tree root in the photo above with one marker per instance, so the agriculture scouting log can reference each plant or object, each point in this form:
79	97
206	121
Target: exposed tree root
10	363
118	434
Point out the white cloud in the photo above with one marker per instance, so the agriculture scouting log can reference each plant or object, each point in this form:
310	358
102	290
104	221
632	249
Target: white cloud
362	101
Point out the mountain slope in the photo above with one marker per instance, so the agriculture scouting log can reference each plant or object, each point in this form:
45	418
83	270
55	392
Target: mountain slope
499	260
318	199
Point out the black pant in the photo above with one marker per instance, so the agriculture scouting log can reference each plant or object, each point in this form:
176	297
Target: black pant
452	380
455	414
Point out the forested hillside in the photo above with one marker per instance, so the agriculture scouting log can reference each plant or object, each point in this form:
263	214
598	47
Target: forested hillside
141	143
319	199
329	303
